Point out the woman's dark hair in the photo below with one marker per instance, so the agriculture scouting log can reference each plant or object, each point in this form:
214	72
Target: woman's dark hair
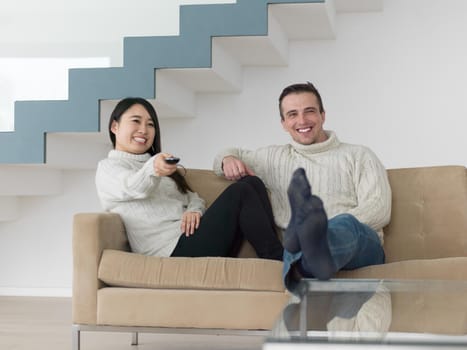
121	107
297	89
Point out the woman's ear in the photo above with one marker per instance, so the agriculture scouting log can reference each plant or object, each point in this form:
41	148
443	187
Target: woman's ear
114	126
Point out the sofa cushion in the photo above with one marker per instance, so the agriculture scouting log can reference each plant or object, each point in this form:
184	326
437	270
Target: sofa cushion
125	269
207	184
419	312
417	269
189	308
429	213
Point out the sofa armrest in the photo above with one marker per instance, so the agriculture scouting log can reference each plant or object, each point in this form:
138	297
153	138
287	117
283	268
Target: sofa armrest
92	233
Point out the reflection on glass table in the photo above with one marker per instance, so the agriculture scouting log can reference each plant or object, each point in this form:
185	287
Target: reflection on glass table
373	312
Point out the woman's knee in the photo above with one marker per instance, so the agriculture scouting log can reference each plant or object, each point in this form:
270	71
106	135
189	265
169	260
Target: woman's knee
254	181
232	194
239	189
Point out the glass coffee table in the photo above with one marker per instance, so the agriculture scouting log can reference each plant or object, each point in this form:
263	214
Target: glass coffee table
373	313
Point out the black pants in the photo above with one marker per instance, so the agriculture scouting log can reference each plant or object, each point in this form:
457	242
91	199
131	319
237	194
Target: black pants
242	211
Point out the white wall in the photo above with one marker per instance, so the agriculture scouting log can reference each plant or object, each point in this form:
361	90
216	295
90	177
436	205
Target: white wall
394	81
35	251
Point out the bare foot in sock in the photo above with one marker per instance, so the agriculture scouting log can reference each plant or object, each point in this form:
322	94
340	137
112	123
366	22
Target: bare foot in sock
307	229
299	193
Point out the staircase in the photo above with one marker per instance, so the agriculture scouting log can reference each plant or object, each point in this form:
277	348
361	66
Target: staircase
214	45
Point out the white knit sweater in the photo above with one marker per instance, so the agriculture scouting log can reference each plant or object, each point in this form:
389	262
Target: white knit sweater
151	206
348	178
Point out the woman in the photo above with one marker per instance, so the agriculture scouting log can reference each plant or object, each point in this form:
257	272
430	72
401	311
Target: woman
162	215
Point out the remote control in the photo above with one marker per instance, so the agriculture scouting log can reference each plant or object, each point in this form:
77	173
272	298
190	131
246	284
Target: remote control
172	160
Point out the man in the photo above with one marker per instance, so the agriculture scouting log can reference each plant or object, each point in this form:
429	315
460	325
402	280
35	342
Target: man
320	178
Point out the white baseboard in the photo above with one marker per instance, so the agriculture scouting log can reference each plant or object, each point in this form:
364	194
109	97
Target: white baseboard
35	292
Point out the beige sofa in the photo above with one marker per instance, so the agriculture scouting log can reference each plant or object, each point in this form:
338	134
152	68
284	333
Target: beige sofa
116	290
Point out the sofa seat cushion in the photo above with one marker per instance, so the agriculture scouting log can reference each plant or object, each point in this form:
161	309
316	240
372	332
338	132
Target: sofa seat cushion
422	311
125	269
417	269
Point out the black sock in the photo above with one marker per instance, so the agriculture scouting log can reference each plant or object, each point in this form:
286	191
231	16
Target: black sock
312	233
299	193
309	223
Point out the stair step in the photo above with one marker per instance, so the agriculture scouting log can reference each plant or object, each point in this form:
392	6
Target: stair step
73	151
26	180
305	21
358	5
225	75
266	50
173	99
30	180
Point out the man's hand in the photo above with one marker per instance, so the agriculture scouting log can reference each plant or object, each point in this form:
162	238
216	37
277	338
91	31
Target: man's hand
190	222
234	168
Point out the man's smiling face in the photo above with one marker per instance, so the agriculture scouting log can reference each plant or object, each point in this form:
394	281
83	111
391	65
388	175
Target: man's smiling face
302	118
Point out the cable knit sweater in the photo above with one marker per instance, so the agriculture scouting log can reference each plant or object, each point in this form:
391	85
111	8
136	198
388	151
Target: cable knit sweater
348	178
151	206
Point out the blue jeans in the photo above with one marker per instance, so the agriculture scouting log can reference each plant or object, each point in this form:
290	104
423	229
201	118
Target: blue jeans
352	245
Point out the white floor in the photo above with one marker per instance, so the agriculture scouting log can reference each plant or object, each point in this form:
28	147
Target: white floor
45	324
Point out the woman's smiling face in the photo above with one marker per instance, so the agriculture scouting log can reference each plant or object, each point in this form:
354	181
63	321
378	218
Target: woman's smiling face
135	131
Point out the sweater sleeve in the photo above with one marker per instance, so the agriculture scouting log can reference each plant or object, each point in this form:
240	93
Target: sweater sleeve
217	166
116	181
248	157
373	192
195	203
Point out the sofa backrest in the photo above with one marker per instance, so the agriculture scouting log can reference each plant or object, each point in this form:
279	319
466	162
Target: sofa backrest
429	210
429	213
207	184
